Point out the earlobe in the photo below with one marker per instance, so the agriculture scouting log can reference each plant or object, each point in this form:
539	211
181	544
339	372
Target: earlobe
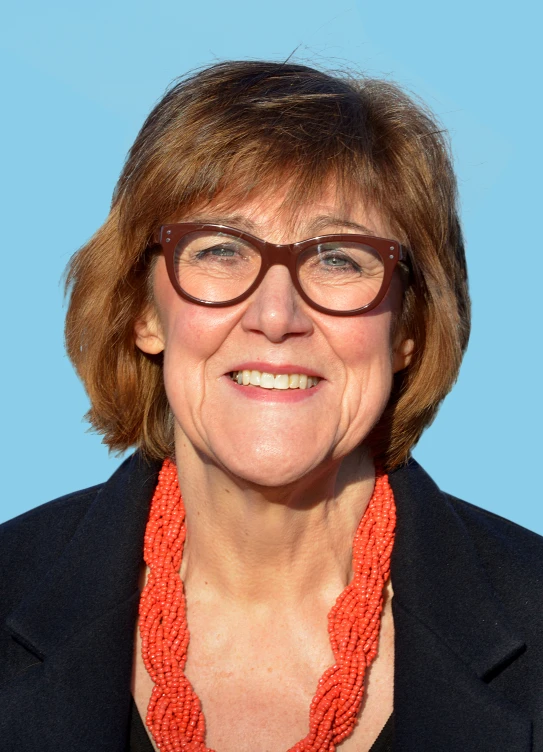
402	355
148	332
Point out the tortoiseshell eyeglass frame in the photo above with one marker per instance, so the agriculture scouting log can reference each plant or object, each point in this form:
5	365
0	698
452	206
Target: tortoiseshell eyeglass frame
168	236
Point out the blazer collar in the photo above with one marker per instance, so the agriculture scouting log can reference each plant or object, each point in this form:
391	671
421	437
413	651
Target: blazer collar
452	634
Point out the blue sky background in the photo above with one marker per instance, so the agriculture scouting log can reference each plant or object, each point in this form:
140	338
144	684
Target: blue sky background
78	80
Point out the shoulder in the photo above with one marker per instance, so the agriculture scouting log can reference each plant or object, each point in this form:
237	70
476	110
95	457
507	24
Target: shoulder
451	535
491	534
91	519
511	554
31	542
56	515
486	523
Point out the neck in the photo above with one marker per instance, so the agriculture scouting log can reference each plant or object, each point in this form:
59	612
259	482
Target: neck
263	546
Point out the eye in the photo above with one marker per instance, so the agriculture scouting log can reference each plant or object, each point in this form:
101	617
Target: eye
218	251
338	260
335	259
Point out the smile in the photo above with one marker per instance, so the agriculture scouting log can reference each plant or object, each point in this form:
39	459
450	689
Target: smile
274	381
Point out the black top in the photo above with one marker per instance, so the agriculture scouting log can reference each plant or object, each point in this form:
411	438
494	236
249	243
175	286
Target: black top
467	609
139	740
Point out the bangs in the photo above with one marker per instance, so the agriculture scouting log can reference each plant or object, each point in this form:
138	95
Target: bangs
268	138
291	192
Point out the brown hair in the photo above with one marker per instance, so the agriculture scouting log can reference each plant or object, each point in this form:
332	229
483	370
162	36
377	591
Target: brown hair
240	127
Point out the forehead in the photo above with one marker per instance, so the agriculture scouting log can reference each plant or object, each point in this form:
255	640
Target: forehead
269	214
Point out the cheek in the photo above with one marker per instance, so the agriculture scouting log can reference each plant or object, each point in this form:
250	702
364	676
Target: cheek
363	346
363	343
188	333
191	332
192	335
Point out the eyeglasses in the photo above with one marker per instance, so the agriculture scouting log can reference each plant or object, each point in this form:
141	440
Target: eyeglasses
217	266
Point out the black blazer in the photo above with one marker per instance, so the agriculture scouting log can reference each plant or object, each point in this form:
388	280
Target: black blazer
467	611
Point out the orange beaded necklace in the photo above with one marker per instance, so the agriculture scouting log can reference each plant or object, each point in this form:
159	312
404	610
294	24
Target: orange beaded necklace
175	716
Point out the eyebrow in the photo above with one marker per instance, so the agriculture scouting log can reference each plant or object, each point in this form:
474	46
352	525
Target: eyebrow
328	220
319	223
237	221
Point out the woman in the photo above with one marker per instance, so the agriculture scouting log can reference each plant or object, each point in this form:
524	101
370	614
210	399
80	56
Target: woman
272	314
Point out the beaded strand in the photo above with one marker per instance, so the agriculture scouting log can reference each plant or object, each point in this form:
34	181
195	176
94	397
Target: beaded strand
174	716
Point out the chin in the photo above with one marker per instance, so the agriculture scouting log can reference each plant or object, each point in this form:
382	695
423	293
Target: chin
270	470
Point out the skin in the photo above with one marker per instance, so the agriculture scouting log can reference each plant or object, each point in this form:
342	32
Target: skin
273	490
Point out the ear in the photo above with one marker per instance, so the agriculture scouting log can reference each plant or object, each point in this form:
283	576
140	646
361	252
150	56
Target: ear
149	336
402	354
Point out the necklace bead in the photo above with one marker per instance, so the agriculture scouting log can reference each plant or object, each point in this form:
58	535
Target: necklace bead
174	715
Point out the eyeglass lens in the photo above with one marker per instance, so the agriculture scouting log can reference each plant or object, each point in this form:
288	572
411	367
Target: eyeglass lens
217	267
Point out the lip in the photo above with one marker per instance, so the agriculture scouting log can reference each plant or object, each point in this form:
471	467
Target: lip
274	368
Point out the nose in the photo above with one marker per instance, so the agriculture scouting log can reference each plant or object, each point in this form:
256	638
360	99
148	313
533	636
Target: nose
276	310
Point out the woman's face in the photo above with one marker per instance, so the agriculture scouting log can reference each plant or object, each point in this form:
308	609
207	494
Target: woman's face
275	436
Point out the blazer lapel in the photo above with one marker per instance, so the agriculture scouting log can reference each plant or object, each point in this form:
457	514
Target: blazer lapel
74	631
452	635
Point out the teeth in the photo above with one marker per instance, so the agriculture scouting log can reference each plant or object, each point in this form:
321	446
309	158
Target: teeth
267	380
294	381
275	381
